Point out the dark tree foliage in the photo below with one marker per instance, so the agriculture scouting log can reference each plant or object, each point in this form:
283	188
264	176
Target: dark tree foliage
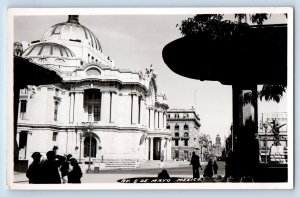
211	25
259	18
214	27
272	92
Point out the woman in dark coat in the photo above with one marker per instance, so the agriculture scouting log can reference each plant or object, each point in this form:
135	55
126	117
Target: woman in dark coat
215	167
75	174
208	172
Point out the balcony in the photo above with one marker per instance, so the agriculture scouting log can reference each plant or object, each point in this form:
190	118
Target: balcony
175	138
185	137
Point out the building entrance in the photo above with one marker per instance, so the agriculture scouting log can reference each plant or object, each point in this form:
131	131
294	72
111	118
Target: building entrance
156	148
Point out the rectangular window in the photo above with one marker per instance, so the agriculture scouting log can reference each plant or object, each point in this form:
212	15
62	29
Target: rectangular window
55	111
23	105
23	139
90	113
176	154
176	142
23	109
97	113
54	136
186	143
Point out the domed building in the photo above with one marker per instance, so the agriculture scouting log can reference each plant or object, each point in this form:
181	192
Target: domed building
104	116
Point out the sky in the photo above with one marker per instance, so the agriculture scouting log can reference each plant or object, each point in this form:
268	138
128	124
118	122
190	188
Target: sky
136	42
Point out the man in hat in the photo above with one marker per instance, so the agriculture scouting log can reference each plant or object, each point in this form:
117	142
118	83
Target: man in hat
34	171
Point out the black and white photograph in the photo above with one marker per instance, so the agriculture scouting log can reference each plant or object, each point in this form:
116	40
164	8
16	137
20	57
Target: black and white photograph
150	98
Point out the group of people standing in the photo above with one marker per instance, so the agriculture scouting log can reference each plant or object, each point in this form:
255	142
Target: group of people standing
210	170
56	169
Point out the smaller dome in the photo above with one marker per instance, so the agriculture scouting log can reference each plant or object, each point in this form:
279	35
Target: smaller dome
48	49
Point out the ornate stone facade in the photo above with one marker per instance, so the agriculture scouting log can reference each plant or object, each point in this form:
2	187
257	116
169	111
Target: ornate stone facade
99	112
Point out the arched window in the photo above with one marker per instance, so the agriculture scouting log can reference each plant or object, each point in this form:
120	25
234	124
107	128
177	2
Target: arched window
186	127
90	143
93	72
186	134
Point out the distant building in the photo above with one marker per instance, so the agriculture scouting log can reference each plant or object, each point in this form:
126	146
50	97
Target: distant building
184	125
217	147
267	137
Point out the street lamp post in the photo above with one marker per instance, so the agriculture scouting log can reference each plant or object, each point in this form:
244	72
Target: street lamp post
80	137
266	127
89	131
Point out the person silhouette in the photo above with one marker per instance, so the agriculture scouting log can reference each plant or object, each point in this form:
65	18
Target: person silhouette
75	174
196	165
163	175
34	170
50	168
215	168
208	171
64	169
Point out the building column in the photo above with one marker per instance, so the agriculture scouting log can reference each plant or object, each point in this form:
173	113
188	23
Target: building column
162	149
151	119
161	120
146	148
115	108
105	106
170	149
143	112
78	109
245	144
151	148
155	119
71	109
165	120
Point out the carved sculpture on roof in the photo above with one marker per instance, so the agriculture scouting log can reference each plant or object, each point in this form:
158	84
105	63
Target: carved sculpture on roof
150	72
32	90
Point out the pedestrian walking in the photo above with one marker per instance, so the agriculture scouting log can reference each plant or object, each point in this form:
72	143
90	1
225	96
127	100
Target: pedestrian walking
50	168
215	168
75	174
65	168
34	170
196	165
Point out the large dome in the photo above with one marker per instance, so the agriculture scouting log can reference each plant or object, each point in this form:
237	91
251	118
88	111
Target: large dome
48	49
72	30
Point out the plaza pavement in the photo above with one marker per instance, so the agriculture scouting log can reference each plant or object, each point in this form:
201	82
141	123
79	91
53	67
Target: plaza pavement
111	176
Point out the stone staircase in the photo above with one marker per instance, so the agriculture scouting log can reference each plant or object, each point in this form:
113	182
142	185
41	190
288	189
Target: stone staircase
149	164
164	164
120	163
